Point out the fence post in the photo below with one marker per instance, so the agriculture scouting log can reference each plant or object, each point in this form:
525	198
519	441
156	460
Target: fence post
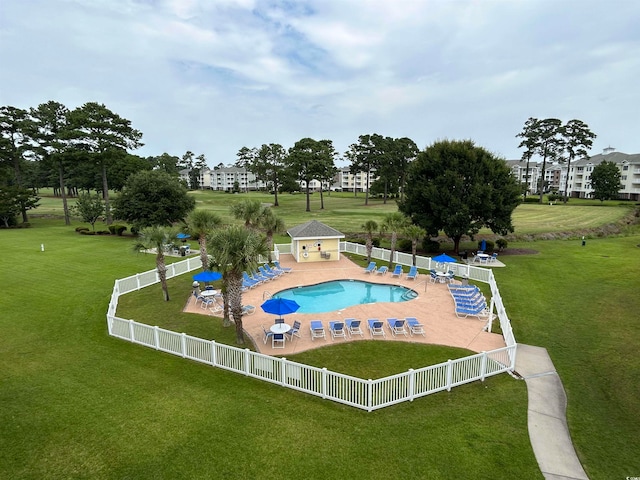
483	366
370	395
412	384
183	341
138	281
283	367
214	360
246	361
324	382
131	335
156	338
449	374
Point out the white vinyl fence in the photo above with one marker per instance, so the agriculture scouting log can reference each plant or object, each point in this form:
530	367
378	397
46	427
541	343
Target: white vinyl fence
365	394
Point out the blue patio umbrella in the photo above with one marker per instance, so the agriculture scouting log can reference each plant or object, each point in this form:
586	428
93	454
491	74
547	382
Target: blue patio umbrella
279	306
183	235
207	276
483	245
444	258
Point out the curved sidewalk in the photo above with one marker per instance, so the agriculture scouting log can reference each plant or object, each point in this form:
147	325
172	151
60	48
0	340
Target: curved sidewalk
547	421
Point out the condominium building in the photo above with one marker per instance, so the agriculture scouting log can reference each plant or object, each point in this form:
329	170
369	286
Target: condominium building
629	166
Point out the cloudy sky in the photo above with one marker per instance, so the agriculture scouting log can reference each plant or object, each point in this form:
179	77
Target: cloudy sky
212	76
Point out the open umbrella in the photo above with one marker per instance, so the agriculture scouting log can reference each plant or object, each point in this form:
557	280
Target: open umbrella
183	235
279	306
207	276
444	258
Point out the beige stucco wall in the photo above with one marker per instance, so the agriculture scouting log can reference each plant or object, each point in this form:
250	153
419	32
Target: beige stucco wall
315	248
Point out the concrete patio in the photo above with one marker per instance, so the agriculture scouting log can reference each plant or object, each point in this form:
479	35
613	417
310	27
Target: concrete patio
433	308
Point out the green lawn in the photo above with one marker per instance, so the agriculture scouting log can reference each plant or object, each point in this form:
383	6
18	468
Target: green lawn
77	403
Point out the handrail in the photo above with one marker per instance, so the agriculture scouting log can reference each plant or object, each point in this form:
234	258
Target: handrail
266	294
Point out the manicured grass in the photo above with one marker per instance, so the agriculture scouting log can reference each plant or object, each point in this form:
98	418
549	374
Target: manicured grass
77	403
582	304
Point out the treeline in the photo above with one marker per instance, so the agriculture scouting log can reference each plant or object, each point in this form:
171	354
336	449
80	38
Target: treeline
82	150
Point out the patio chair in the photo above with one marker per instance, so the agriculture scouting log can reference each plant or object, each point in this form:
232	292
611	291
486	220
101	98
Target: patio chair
267	334
272	271
370	268
397	272
413	273
382	270
434	276
376	327
295	330
353	327
283	269
493	258
278	320
264	273
397	327
277	340
415	327
337	330
215	307
317	329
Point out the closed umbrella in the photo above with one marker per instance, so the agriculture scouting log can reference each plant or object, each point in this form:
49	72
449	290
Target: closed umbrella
483	245
280	306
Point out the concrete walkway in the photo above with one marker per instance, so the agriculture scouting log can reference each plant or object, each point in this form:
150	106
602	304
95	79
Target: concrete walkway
547	422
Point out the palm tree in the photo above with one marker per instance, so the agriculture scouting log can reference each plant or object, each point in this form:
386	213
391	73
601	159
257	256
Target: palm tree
249	210
233	250
393	222
201	223
369	227
415	234
157	237
270	224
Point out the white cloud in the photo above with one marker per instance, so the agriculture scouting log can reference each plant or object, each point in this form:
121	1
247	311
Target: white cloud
213	76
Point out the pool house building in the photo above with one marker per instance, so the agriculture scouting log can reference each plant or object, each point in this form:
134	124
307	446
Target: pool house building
315	242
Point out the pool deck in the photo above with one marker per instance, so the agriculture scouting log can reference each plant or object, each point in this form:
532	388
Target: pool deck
433	308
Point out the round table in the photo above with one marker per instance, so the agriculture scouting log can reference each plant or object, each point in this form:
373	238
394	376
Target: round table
209	293
280	327
483	257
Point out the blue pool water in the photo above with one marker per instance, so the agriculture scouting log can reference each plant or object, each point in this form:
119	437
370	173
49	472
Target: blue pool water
339	294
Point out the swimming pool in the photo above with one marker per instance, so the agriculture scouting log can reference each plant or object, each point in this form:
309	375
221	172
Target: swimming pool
339	294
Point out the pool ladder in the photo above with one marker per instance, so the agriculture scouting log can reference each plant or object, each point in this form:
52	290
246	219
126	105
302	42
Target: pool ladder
266	294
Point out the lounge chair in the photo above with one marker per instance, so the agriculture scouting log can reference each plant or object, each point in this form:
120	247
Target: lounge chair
282	269
272	271
264	273
397	327
415	327
478	312
397	272
337	330
413	273
382	270
370	268
375	327
317	329
248	309
248	281
295	330
353	327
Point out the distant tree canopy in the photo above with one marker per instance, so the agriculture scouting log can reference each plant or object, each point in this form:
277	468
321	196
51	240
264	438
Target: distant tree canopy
153	198
458	188
605	181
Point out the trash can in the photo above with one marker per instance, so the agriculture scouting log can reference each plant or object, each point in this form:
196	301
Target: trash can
465	280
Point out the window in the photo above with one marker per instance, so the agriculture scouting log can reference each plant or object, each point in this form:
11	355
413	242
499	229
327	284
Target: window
625	167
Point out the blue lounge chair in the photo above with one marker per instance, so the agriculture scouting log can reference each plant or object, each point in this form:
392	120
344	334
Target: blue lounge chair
397	327
397	272
272	271
382	270
353	327
337	330
370	268
375	327
248	281
415	327
317	329
413	273
283	269
264	273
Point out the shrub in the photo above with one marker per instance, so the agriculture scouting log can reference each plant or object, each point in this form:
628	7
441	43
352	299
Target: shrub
376	242
430	246
532	200
135	231
404	245
501	243
116	229
489	245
